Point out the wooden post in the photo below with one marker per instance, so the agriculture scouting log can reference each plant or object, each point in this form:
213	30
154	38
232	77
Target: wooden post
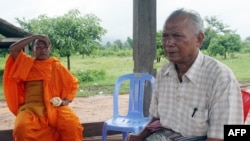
144	40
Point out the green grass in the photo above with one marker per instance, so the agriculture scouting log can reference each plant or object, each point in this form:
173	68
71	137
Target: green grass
113	67
2	62
240	66
116	66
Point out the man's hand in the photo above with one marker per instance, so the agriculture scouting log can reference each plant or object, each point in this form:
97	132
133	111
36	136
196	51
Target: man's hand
43	38
134	137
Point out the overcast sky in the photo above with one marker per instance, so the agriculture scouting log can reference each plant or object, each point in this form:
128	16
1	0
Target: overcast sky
117	15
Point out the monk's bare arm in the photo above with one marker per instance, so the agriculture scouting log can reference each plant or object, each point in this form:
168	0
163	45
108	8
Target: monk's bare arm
16	47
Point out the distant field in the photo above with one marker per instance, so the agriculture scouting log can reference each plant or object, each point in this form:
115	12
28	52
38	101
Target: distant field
240	66
113	67
116	66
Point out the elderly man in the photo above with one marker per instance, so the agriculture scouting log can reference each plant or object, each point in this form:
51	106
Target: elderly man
194	95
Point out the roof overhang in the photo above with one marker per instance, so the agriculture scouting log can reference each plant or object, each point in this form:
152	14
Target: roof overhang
6	42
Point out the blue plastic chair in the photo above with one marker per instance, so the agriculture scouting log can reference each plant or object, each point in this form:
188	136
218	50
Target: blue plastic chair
135	120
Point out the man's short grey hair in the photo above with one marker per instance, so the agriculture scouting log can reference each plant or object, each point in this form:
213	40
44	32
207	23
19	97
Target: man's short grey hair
193	15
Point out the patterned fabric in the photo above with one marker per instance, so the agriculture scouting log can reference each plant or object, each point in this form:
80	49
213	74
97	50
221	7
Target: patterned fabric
208	98
170	135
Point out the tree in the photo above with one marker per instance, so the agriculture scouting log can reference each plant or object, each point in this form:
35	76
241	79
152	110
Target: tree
159	48
209	35
214	27
69	33
126	45
247	40
114	47
118	42
130	42
215	48
108	44
246	45
225	44
217	25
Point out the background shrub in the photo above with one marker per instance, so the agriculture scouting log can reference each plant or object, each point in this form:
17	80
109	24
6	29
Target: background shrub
90	75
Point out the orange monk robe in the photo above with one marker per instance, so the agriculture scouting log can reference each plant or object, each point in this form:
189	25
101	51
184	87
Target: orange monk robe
57	82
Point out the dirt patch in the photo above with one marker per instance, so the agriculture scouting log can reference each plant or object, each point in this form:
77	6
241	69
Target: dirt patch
89	109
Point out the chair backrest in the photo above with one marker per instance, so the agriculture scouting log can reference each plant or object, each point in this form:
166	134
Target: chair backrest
137	84
246	102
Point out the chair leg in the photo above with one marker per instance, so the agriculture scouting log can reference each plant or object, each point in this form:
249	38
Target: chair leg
124	135
104	133
104	136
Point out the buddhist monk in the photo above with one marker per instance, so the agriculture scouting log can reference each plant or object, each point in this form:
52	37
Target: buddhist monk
38	90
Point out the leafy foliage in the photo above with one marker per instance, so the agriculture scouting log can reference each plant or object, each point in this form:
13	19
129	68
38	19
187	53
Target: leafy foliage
214	28
90	75
220	39
159	48
209	35
217	25
246	45
69	33
225	44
